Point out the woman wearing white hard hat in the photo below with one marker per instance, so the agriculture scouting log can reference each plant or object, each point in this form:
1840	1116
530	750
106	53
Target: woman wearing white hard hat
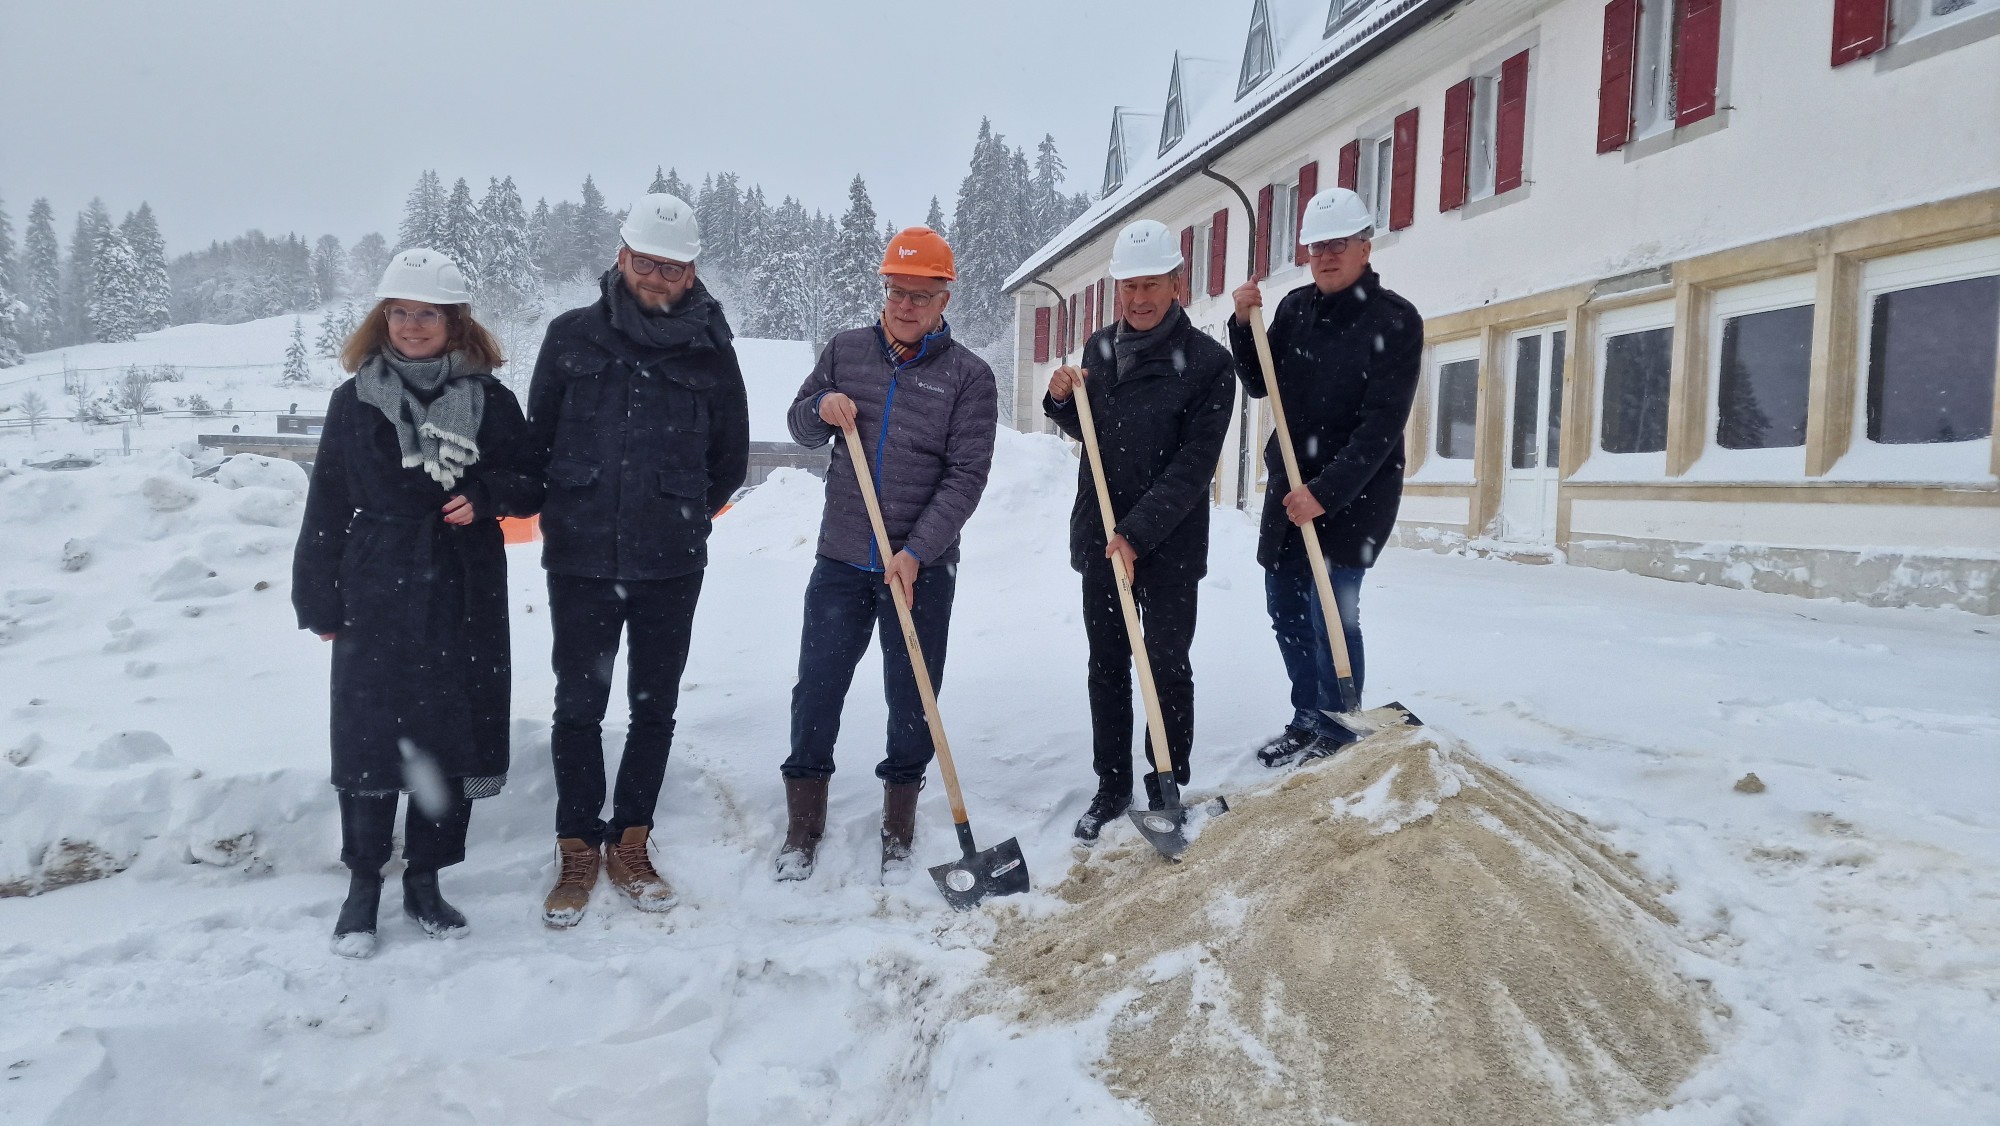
400	565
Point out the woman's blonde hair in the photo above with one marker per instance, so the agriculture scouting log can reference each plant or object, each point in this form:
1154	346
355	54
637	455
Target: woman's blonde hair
463	334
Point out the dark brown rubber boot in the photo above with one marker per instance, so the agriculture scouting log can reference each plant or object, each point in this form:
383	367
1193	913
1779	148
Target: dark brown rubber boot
805	804
899	828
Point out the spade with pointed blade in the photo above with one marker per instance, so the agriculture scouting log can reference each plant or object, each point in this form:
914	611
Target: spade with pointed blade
1000	870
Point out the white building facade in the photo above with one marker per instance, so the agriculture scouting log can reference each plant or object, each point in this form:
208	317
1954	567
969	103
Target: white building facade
1711	287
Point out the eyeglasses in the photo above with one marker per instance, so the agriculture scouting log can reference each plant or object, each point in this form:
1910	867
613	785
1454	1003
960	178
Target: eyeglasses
1327	248
669	271
420	318
915	298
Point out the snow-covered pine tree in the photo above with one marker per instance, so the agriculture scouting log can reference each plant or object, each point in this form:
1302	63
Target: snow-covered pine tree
1047	206
981	238
423	212
754	223
677	187
13	311
366	260
114	301
540	241
458	235
41	278
780	266
80	273
719	208
10	263
334	329
149	256
563	255
856	261
507	284
329	267
594	231
935	220
297	368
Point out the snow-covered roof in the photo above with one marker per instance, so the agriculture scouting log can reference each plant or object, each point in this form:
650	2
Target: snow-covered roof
1312	45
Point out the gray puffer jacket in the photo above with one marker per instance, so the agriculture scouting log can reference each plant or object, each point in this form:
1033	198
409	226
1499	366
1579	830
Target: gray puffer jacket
927	425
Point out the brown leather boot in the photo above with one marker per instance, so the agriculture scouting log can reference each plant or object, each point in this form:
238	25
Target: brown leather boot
899	828
566	902
805	806
631	871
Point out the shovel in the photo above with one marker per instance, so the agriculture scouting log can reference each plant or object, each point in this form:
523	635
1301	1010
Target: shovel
1350	715
1000	870
1166	827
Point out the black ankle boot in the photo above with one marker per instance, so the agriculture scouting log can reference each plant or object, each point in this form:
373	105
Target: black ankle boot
354	932
423	903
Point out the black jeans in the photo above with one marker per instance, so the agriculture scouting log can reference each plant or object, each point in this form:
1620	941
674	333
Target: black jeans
587	616
844	604
368	830
1167	612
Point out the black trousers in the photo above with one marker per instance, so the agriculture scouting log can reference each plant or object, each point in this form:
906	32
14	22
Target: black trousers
656	617
1167	611
430	842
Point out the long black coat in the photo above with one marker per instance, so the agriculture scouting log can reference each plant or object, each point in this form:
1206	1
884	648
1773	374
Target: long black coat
643	445
419	606
1347	366
1161	421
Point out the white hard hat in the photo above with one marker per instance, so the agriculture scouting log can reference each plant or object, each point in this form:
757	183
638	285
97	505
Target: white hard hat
662	226
1334	213
418	274
1143	249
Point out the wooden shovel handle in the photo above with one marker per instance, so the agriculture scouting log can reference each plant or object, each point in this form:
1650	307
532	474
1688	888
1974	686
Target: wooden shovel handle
920	670
1336	636
1156	724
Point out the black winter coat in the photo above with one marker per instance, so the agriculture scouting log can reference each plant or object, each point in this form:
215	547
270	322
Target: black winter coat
419	606
1160	422
643	445
1347	365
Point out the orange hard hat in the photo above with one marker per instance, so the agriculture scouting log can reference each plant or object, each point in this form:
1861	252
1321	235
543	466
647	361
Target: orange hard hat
921	253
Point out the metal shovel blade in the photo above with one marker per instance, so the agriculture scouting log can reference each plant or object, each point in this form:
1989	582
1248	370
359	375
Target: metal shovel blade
1166	828
977	876
1375	720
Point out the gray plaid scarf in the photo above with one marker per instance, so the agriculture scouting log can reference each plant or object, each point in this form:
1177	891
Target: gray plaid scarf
435	405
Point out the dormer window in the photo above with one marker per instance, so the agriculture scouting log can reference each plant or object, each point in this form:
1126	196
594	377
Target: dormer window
1340	12
1259	56
1114	155
1174	126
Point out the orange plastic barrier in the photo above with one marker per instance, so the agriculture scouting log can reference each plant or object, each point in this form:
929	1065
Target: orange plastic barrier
521	529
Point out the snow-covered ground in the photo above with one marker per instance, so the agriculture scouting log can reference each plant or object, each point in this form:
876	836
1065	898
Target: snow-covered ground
1848	916
241	365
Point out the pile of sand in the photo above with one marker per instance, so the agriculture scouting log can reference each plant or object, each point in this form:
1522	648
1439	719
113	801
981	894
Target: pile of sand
1399	935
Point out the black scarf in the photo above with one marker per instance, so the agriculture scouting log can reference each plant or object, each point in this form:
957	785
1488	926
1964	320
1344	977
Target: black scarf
1129	346
686	326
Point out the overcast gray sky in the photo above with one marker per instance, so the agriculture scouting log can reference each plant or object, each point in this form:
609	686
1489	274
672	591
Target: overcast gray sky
317	117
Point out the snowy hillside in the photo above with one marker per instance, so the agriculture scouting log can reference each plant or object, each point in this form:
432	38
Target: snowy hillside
236	371
162	715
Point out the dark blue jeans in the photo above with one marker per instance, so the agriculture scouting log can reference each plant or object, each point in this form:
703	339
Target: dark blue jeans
1293	602
844	605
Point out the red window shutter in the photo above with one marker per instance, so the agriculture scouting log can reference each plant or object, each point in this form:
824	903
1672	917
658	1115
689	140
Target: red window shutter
1041	336
1510	124
1697	59
1089	309
1350	165
1218	250
1308	188
1453	169
1614	84
1187	262
1262	234
1069	339
1403	174
1104	316
1860	28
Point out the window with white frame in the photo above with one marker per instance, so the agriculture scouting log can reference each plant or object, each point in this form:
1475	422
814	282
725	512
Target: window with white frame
1339	12
1483	146
1653	77
1634	360
1759	379
1373	177
1921	17
1454	416
1284	224
1930	339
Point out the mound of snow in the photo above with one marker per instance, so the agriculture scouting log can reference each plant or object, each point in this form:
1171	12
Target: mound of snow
1403	934
126	748
256	470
